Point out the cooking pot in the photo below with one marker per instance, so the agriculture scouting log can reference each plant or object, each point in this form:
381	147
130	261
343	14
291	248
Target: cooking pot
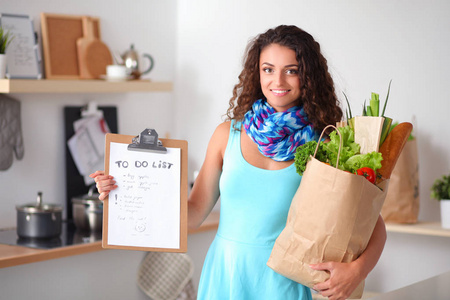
88	211
38	220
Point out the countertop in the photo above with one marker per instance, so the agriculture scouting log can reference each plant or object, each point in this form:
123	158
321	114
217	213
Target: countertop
19	255
437	287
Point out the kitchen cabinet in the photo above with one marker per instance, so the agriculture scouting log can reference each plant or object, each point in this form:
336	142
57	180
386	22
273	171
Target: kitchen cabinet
28	86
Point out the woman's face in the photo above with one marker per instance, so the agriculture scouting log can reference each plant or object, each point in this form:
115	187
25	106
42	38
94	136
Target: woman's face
278	70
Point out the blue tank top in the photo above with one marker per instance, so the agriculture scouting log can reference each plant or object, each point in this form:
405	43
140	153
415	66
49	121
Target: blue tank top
254	205
254	202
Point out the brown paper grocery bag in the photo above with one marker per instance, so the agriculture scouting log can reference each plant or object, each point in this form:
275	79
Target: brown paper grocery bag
402	199
331	218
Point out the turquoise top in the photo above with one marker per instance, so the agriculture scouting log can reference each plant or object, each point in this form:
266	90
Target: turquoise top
253	212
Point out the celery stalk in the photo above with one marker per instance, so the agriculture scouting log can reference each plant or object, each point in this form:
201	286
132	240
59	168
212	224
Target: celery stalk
375	104
369	111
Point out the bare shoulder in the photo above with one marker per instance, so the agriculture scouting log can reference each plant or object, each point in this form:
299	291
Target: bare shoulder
220	136
223	128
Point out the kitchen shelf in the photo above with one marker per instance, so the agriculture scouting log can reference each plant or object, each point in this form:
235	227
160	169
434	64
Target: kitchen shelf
18	255
421	228
28	86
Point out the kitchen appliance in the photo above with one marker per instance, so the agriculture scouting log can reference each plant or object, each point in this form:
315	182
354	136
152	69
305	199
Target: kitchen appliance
131	60
38	220
88	211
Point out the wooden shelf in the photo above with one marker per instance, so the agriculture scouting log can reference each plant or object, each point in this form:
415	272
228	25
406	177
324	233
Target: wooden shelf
422	228
18	255
81	86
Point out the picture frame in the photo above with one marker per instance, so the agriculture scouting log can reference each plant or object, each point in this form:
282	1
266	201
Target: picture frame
23	57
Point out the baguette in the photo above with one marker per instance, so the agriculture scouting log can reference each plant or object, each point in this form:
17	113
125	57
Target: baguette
391	149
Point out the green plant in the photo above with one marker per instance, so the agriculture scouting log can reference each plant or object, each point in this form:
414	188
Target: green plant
441	188
5	39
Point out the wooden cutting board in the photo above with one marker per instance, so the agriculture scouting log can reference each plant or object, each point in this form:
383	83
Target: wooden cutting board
93	54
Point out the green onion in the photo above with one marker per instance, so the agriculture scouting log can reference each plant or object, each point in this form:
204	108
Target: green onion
364	112
387	97
348	105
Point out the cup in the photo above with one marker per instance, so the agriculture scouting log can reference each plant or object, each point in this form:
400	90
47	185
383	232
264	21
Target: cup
117	72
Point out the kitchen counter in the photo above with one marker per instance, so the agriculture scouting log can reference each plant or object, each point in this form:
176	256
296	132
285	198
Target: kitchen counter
436	287
19	255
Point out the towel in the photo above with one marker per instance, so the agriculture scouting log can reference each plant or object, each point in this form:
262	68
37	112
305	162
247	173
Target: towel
11	139
167	276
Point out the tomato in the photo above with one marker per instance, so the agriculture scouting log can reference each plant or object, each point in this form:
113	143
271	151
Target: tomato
367	172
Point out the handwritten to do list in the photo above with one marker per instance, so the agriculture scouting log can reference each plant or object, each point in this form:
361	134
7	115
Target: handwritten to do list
144	211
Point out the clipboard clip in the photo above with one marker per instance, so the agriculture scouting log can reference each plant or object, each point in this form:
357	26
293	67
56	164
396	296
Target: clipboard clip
147	141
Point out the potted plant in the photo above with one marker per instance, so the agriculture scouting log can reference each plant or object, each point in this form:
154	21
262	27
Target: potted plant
441	192
5	39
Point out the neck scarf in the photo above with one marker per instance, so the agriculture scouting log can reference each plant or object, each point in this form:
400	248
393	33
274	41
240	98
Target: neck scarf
277	134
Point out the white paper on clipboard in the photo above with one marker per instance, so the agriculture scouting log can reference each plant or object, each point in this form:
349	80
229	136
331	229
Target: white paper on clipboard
144	211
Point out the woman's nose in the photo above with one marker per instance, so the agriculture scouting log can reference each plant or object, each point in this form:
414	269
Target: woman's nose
279	78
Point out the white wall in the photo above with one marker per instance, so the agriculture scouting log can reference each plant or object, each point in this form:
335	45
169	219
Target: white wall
367	43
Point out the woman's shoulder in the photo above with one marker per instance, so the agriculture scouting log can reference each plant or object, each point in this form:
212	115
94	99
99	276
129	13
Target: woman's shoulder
219	140
222	131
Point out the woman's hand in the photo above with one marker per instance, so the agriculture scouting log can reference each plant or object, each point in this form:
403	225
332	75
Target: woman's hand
344	279
104	183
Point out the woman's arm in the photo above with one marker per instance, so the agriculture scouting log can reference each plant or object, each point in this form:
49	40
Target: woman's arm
205	191
345	277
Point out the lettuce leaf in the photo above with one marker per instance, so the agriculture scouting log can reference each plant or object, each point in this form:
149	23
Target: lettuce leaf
303	154
350	157
349	147
371	160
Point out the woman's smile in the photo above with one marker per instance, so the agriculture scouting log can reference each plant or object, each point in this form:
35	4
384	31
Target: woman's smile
279	92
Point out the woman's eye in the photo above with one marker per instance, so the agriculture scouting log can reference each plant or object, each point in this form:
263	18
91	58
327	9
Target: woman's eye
292	71
267	70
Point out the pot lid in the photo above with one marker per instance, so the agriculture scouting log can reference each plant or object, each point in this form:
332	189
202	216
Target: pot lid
38	207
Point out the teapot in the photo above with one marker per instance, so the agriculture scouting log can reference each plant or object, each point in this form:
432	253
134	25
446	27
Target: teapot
131	61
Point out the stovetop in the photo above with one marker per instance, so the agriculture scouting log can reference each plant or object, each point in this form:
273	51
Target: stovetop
70	235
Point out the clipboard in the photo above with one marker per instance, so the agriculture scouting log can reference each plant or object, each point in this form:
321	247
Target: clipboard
116	235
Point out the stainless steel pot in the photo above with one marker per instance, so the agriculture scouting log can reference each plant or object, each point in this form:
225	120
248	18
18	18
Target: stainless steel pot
88	212
38	220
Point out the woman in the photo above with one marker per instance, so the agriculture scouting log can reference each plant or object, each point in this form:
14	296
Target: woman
284	98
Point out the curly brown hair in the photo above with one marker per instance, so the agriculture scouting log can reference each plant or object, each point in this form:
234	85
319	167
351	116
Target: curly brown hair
317	96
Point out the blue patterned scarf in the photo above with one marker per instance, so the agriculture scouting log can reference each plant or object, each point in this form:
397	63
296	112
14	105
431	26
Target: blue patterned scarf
278	134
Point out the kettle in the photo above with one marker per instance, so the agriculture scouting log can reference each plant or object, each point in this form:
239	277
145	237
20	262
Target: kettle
131	61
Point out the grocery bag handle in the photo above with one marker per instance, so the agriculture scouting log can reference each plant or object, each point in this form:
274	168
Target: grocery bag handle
340	143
